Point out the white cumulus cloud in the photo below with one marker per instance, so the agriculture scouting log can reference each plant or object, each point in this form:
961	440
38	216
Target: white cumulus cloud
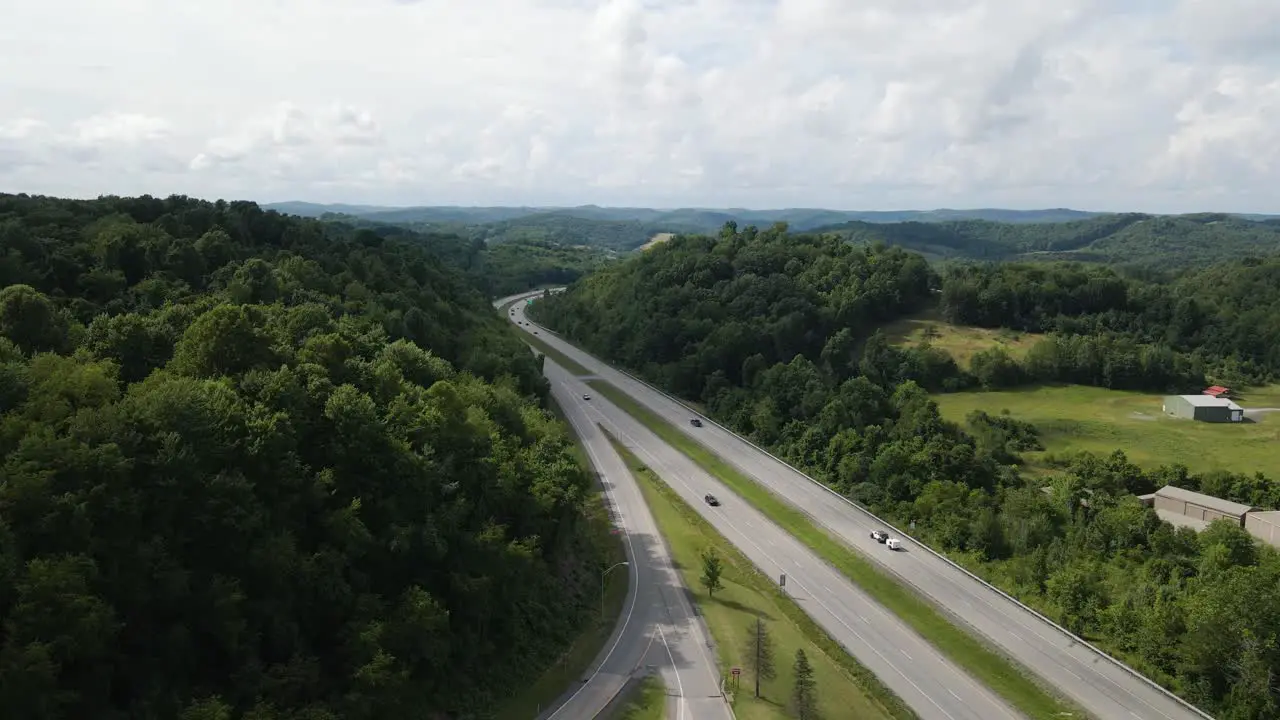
1169	105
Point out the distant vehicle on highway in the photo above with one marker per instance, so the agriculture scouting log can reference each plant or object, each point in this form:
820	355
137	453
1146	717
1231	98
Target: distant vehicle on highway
695	422
535	332
586	396
879	536
711	500
893	544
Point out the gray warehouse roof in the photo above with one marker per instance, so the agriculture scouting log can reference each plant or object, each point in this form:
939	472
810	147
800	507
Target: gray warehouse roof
1209	501
1207	401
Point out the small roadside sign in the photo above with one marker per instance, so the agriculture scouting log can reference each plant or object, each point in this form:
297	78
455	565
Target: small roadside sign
782	580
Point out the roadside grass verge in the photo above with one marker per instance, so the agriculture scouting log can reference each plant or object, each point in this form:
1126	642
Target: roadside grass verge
649	703
988	666
845	688
594	633
556	356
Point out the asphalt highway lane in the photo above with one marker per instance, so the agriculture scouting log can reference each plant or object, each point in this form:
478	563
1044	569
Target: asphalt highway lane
659	629
1101	686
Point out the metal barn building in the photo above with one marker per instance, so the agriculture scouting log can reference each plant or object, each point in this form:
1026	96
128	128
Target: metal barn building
1196	510
1264	525
1203	408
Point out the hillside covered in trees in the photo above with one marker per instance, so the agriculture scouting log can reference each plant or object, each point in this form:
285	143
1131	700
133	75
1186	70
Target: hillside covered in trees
1120	332
776	334
673	220
497	268
1131	239
262	467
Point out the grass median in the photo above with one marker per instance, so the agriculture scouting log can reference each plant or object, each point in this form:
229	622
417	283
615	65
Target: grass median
555	355
845	687
648	703
997	672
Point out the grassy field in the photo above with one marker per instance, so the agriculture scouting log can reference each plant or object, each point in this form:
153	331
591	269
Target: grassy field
572	665
649	702
1073	418
967	651
961	342
845	688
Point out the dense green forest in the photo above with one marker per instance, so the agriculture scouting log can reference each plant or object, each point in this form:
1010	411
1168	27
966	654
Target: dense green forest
497	268
1129	239
776	334
1117	331
1140	243
263	467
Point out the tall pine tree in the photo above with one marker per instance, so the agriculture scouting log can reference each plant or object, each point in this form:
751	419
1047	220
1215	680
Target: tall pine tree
759	653
804	695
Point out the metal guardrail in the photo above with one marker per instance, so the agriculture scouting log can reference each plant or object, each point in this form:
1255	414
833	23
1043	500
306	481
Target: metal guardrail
1085	643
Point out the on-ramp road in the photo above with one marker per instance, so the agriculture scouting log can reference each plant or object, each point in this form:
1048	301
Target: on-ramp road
658	628
1099	685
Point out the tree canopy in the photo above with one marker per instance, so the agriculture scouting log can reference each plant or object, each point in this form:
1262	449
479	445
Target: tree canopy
258	466
1223	319
1129	239
778	335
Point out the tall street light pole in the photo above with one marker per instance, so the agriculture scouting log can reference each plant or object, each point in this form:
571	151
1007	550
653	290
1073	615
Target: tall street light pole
602	576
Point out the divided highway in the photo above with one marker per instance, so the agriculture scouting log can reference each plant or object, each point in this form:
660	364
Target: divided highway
658	628
912	668
927	681
1102	686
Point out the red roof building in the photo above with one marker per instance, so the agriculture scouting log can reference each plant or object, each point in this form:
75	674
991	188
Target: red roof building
1217	391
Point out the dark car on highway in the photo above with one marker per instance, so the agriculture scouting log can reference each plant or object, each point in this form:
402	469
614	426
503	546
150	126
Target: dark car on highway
879	535
695	422
711	500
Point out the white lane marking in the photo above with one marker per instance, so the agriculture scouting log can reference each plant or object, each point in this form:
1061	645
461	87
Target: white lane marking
667	566
635	573
675	668
642	396
654	461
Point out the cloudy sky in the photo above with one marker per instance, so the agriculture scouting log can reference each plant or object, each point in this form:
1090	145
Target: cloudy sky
1158	105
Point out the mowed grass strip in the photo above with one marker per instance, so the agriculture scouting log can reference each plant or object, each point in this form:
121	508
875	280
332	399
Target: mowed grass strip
1018	687
846	689
572	666
648	703
556	356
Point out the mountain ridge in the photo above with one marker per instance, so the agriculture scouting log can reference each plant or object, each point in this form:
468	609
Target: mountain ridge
695	219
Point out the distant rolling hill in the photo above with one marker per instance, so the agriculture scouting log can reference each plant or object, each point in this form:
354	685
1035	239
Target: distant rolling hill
1135	239
680	219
